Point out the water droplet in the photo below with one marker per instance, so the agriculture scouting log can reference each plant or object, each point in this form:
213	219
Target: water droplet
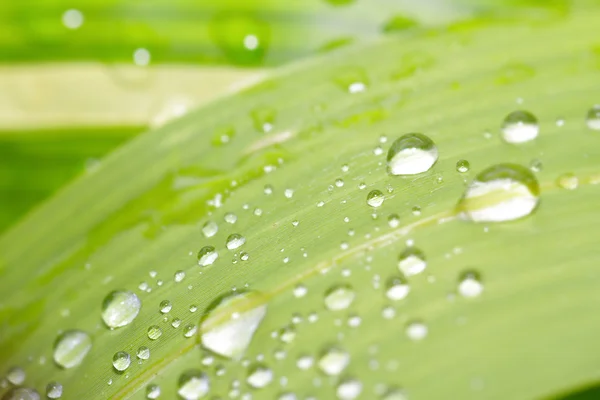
394	394
397	289
349	389
193	384
54	390
176	323
339	182
503	192
143	353
416	330
71	347
289	193
339	297
593	118
210	229
375	198
411	154
154	332
568	181
234	241
16	375
305	362
412	261
469	284
207	256
165	306
333	361
520	127
72	19
394	220
141	57
227	329
189	331
179	276
300	291
463	166
119	308
259	376
536	165
22	393
121	360
230	218
287	334
152	391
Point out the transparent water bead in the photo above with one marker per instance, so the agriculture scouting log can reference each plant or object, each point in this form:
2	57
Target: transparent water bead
592	118
193	385
143	353
503	192
165	306
54	390
411	154
71	347
210	229
121	360
397	289
339	297
412	261
234	241
463	166
154	332
333	361
519	127
207	256
229	326
375	198
152	391
259	376
22	393
469	284
568	181
119	308
416	330
16	375
349	389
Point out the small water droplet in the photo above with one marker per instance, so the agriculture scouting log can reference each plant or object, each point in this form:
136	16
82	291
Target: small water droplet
54	390
393	220
333	361
503	192
207	256
469	284
263	119
375	198
72	19
234	241
230	218
16	375
463	166
210	229
287	334
121	360
165	306
154	332
349	389
189	331
300	291
152	391
179	276
412	261
411	154
119	308
289	193
536	165
339	297
229	334
193	384
397	288
259	376
520	127
141	57
568	181
339	182
416	330
352	79
71	347
143	353
593	118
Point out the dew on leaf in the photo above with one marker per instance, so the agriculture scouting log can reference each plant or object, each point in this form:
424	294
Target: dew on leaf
193	384
210	229
469	284
568	181
411	154
22	393
54	390
154	332
71	347
416	330
519	127
230	218
592	118
333	361
463	166
412	261
339	297
207	256
259	376
397	289
393	220
16	375
179	276
305	362
234	241
375	198
165	306
503	192
72	19
175	323
348	389
152	391
189	331
121	361
119	308
394	394
143	353
300	290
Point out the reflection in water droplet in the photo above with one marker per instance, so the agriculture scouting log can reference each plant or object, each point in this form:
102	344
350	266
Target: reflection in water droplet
154	332
469	284
333	361
16	375
227	329
349	389
520	127
71	347
210	229
416	330
568	181
119	308
397	289
143	353
411	154
503	192
165	306
207	256
463	166
121	360
152	391
375	198
234	241
193	385
230	218
189	331
412	261
54	390
339	297
259	376
593	118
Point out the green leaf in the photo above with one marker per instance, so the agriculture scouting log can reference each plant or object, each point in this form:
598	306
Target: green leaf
138	218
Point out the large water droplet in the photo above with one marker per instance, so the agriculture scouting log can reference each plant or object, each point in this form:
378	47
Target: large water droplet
71	347
121	360
234	241
349	389
193	385
227	329
259	376
339	297
593	118
143	353
463	166
54	390
469	284
333	361
412	261
207	256
503	192
520	127
411	154
375	198
119	308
